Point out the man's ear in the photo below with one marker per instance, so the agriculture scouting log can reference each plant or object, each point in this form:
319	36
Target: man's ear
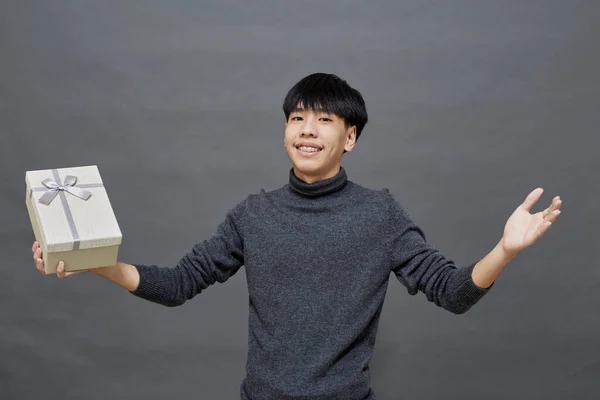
350	138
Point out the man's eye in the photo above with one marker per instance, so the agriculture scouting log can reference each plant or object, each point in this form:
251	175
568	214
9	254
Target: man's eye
326	119
296	118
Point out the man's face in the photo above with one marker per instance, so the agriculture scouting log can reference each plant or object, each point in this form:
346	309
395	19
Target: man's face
326	134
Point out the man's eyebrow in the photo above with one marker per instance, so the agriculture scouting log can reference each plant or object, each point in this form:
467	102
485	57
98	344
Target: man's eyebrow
317	110
297	109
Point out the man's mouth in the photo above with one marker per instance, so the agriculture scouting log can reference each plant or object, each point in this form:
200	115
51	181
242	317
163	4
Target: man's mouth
306	149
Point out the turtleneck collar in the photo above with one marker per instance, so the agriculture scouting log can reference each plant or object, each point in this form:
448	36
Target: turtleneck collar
319	188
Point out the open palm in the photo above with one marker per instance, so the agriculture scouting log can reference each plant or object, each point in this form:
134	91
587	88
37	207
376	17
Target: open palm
523	229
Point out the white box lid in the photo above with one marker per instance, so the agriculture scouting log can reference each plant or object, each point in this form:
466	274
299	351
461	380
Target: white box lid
69	222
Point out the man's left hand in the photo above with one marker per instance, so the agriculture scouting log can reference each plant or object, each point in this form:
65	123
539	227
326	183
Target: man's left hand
524	229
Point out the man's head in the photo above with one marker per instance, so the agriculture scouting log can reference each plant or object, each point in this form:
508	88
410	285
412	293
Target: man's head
324	112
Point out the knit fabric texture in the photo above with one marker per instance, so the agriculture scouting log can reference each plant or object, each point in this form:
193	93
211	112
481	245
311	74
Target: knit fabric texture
317	257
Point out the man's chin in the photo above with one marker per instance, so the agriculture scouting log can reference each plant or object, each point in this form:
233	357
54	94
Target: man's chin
309	172
307	167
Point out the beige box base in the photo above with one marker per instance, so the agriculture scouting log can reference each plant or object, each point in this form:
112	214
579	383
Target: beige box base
74	260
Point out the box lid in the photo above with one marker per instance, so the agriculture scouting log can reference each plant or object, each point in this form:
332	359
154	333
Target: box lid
70	222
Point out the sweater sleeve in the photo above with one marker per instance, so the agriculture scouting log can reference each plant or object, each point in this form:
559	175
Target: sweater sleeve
421	267
215	259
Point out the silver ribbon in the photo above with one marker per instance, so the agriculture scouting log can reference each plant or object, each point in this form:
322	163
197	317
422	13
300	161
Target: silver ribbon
55	187
69	186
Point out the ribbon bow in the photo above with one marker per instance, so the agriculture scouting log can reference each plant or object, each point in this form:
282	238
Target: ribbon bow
69	186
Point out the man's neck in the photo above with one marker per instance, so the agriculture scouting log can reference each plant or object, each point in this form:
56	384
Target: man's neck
318	188
308	178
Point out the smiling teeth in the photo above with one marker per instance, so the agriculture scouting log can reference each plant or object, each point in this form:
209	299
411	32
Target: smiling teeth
308	149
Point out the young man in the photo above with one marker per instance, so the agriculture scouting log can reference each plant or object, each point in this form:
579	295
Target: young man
318	254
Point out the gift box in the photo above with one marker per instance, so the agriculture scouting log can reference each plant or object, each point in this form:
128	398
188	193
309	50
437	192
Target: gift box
72	218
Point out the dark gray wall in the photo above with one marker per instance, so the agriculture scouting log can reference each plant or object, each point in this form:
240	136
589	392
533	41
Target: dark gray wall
473	104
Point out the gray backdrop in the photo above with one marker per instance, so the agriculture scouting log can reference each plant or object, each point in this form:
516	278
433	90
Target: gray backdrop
473	104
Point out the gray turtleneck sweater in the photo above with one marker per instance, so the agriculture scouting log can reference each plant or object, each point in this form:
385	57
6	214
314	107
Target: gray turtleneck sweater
318	258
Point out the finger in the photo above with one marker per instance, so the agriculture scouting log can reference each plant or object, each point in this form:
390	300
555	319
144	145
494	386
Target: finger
39	264
548	210
541	230
558	204
61	273
555	205
37	254
60	270
532	198
35	246
552	216
545	226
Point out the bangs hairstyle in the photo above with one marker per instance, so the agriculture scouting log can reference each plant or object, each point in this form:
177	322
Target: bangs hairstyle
327	93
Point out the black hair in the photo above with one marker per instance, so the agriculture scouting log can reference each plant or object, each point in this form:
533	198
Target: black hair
328	93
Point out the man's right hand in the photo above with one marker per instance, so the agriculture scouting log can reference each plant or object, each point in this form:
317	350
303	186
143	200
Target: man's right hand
39	263
124	275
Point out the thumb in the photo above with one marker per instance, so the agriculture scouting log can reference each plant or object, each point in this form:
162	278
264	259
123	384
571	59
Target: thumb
532	198
61	273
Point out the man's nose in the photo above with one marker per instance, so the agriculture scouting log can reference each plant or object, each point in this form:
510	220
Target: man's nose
309	129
